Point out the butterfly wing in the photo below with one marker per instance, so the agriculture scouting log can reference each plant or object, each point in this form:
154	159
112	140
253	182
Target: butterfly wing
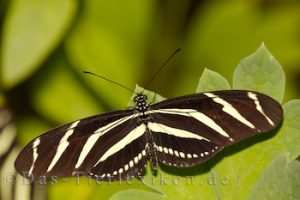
98	146
200	125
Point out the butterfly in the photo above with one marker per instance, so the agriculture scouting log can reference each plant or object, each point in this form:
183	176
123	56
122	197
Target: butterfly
180	132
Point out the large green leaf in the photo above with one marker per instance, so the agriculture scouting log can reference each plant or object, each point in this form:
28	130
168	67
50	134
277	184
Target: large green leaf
234	172
244	162
274	182
32	29
294	175
288	138
279	181
212	81
260	72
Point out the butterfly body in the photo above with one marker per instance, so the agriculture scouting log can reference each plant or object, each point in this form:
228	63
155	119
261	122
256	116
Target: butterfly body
181	132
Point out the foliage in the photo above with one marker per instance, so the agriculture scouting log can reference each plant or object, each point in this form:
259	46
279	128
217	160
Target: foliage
261	167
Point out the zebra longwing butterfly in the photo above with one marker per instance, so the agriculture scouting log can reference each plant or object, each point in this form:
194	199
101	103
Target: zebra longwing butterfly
180	132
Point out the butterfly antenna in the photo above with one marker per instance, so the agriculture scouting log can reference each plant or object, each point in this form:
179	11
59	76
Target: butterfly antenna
111	81
161	67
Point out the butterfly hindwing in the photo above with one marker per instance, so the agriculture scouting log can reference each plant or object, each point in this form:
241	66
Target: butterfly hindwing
182	152
128	163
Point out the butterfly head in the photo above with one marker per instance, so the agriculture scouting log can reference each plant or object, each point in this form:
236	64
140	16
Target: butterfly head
141	102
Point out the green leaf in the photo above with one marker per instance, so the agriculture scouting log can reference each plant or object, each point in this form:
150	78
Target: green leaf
244	162
288	137
260	72
32	29
274	182
294	175
212	81
234	172
134	194
281	180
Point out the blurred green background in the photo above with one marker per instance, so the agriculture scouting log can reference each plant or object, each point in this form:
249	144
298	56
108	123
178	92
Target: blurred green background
46	44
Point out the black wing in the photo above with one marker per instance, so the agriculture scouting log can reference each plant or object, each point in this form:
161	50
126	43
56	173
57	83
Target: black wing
108	146
189	130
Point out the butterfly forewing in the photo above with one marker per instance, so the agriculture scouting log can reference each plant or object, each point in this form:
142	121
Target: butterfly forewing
191	129
223	117
74	147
